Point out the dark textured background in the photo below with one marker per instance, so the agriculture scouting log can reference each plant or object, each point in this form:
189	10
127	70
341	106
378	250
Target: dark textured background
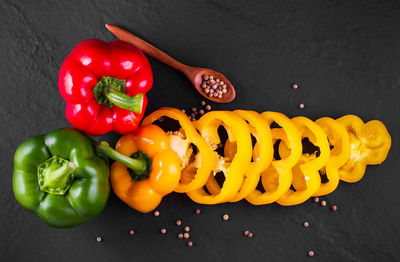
345	55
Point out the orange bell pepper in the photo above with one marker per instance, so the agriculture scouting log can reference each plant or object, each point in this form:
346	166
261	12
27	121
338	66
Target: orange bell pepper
147	168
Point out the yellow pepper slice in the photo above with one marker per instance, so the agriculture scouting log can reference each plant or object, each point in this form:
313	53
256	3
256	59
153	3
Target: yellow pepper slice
262	154
239	133
369	143
193	175
277	179
306	177
340	153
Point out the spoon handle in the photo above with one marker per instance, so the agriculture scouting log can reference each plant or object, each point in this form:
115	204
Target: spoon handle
146	48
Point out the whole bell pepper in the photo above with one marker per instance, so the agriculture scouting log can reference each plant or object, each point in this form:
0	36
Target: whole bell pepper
59	177
147	168
105	85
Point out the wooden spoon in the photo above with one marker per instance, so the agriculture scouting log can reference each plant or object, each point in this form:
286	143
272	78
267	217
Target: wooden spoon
193	73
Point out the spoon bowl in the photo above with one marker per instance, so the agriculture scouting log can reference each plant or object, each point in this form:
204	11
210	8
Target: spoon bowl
194	74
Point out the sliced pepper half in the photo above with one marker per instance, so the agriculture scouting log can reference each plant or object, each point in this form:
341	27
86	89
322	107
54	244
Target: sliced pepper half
369	143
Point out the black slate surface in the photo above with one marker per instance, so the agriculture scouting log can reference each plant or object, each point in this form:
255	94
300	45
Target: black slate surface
345	56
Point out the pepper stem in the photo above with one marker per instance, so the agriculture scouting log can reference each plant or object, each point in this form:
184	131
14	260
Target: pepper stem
132	103
55	175
110	91
139	164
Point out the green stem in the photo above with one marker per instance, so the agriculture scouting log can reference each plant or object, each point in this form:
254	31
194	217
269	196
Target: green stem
55	175
139	164
110	91
132	103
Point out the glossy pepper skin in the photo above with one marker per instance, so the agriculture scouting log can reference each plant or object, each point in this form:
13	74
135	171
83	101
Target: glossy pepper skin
59	177
145	194
122	75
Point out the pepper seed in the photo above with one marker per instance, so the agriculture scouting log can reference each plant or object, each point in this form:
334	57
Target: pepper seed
225	217
334	208
190	244
208	107
197	211
187	229
250	235
306	224
163	230
156	213
180	235
295	86
301	106
246	233
203	103
131	232
186	235
316	199
206	77
323	203
178	222
311	253
99	239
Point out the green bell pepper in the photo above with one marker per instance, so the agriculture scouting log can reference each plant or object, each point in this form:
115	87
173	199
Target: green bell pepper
59	177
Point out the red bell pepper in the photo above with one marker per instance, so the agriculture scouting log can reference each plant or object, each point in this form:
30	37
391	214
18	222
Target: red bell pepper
105	85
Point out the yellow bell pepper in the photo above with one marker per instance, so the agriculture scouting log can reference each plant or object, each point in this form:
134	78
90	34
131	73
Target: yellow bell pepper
306	177
277	179
343	148
340	153
369	145
262	154
233	169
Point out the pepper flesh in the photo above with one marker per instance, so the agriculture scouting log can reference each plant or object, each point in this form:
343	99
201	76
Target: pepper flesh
59	204
93	81
146	195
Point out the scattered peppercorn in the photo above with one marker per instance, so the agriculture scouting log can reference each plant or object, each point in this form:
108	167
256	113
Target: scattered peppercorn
323	203
194	109
186	235
311	253
246	233
156	213
225	217
306	224
334	208
187	229
163	230
208	107
203	103
99	239
197	211
250	235
180	235
190	244
316	199
295	86
131	232
178	222
301	106
201	112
